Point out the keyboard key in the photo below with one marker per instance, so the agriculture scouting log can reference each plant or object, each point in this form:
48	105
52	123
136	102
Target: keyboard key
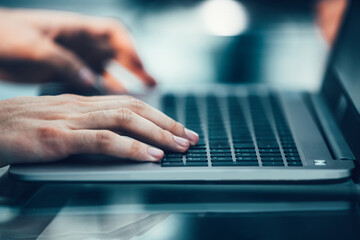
291	150
173	155
271	164
247	163
244	145
270	154
196	159
192	150
285	146
217	159
172	159
220	154
234	164
246	154
293	159
242	140
198	146
172	164
203	154
196	164
218	138
219	145
243	150
292	154
294	164
271	159
220	150
274	145
246	158
269	150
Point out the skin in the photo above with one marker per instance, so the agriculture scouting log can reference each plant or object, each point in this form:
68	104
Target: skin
43	46
329	14
63	46
49	128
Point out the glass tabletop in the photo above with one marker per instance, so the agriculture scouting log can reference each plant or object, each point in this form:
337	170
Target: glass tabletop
180	211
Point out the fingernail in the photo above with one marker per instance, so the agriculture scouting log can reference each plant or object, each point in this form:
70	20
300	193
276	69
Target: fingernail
181	141
155	153
86	76
192	136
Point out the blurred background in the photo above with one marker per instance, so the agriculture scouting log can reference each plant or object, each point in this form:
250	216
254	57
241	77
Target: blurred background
186	41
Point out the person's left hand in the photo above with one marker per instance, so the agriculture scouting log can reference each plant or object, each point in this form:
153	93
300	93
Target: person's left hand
85	42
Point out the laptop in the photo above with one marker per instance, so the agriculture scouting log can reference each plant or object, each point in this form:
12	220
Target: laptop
246	133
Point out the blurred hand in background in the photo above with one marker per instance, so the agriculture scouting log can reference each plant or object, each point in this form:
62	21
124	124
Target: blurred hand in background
329	14
40	46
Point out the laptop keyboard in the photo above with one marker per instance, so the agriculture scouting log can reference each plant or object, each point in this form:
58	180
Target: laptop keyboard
233	131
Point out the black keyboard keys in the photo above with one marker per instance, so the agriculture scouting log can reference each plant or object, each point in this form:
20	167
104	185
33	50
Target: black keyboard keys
287	142
244	147
275	144
264	134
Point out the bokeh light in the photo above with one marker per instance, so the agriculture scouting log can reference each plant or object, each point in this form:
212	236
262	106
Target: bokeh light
224	17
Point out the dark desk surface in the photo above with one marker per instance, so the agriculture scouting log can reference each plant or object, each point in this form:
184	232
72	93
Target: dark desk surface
179	211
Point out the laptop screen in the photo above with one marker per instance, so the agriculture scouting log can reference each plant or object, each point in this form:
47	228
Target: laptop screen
341	87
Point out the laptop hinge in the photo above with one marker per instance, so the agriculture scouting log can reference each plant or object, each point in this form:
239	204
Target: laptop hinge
334	138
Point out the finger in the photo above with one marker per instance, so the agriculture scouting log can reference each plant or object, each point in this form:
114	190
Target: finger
69	66
97	103
126	53
161	119
112	85
112	144
132	62
144	110
94	51
134	125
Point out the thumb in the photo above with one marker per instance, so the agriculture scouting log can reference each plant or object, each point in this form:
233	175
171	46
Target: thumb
70	67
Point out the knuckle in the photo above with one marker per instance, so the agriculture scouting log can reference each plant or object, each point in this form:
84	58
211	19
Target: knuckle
65	99
135	148
39	54
72	97
136	104
68	95
176	127
103	140
124	115
126	97
55	116
47	132
94	116
166	136
51	141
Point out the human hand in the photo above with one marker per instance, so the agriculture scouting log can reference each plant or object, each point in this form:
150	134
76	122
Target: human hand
329	15
40	46
49	128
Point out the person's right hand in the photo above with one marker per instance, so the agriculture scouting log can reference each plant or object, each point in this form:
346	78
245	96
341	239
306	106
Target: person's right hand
40	46
49	128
